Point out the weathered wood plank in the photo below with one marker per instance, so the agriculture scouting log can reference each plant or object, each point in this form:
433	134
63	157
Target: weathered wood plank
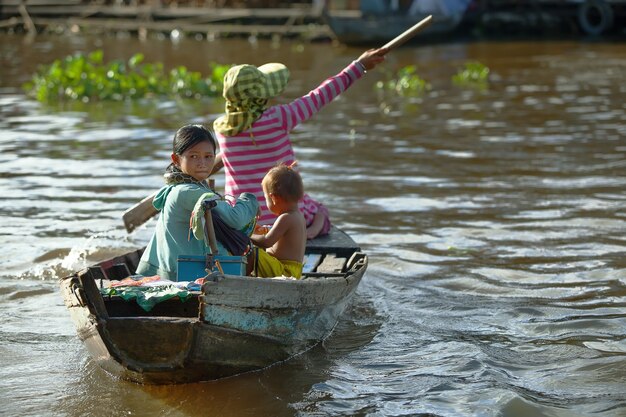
74	7
332	263
278	293
337	241
11	22
142	341
310	262
140	212
130	25
29	3
216	21
93	295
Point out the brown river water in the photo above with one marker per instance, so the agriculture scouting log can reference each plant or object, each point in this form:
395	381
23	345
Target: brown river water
495	223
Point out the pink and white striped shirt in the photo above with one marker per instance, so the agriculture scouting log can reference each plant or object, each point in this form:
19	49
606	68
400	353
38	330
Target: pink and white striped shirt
249	155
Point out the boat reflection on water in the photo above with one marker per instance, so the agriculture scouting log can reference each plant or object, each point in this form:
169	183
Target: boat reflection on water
378	21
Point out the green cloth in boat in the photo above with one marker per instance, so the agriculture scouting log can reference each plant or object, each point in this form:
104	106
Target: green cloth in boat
196	223
147	297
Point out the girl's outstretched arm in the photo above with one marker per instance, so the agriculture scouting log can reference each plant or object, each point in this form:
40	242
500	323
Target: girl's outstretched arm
306	106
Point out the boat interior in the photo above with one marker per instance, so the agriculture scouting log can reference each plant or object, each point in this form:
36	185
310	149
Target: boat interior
332	256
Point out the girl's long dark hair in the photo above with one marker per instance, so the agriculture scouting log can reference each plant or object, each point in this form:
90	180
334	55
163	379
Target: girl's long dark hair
190	135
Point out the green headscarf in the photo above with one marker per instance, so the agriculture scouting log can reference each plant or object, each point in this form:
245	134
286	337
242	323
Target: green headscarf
247	90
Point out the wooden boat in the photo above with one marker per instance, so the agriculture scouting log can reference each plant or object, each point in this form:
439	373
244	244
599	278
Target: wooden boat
353	27
235	324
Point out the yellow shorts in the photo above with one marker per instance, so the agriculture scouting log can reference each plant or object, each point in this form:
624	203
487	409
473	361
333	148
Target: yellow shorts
267	266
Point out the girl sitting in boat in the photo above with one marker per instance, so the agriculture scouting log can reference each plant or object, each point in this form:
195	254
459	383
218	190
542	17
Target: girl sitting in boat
285	242
193	157
254	137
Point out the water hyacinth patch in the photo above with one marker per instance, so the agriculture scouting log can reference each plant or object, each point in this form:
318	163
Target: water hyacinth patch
404	82
86	77
473	74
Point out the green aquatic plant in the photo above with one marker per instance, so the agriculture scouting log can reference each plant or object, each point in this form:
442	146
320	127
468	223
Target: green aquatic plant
473	74
86	77
404	82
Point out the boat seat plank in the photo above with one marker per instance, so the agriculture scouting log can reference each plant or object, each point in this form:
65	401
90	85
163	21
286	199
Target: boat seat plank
311	261
337	241
332	264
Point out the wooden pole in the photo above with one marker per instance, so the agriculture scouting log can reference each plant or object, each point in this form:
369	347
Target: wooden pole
28	22
209	231
409	33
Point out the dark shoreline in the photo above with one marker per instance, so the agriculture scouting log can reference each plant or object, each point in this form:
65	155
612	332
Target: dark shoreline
304	23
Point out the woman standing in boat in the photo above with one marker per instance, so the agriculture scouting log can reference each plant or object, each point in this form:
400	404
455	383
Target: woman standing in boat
193	157
254	137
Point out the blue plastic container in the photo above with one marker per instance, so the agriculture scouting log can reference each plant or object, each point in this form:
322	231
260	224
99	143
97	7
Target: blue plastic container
191	268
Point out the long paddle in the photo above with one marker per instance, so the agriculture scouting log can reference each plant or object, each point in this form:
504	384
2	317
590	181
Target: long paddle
144	210
408	34
139	213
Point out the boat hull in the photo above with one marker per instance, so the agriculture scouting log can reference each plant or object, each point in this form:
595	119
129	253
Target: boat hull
236	324
379	29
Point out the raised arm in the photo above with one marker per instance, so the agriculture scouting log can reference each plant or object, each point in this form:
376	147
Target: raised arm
306	106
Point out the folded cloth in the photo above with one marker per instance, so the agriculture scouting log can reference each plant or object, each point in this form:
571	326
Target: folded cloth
135	281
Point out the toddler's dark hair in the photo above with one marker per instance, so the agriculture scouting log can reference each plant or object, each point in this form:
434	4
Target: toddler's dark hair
190	135
284	182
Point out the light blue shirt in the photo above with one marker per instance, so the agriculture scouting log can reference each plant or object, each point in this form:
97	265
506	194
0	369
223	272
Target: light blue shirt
172	236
